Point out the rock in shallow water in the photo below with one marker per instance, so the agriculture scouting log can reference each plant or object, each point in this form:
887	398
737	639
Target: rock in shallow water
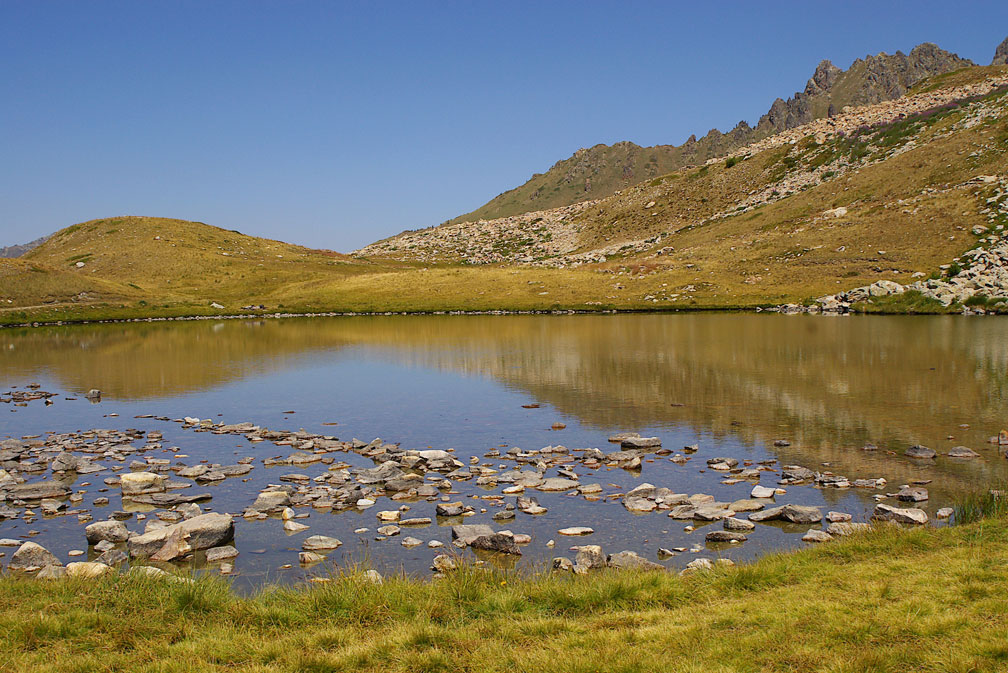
201	532
31	557
910	515
496	542
912	494
816	535
576	530
920	452
111	531
725	536
629	560
320	542
141	483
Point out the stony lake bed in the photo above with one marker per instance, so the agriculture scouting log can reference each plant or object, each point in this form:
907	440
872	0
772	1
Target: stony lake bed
286	450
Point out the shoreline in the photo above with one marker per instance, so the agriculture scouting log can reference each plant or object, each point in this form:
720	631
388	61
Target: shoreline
918	599
280	315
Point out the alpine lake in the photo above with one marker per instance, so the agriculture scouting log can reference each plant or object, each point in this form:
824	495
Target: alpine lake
492	412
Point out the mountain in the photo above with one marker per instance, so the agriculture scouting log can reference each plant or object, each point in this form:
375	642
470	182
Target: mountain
12	251
604	169
894	191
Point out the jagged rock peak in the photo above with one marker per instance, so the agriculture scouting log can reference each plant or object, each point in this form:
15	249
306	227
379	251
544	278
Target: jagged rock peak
823	78
1001	54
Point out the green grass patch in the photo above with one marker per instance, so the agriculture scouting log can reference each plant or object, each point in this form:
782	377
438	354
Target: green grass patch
911	301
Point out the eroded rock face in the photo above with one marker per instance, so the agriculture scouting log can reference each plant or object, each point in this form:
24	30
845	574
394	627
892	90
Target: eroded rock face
1001	54
201	532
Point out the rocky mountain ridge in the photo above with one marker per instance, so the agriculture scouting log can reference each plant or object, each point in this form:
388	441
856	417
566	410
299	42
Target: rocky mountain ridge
602	169
12	251
555	238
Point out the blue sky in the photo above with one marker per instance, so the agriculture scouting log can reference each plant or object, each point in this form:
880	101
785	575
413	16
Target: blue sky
335	124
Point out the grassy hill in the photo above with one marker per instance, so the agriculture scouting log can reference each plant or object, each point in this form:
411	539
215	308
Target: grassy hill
161	265
601	170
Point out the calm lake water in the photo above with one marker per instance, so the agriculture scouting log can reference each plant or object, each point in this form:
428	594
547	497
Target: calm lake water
731	383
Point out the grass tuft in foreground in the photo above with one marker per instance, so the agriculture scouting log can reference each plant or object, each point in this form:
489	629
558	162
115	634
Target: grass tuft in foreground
888	600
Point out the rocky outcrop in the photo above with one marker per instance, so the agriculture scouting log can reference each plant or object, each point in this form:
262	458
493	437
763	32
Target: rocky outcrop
19	250
1001	54
979	272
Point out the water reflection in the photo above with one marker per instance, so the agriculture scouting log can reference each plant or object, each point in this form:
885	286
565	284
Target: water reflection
827	385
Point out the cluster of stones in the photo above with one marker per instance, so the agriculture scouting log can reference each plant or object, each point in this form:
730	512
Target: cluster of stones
21	398
179	528
517	239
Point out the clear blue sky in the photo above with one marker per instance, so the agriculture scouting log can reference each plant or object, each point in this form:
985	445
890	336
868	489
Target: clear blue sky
335	124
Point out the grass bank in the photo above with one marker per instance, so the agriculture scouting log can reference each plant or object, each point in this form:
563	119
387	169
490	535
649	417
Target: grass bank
888	600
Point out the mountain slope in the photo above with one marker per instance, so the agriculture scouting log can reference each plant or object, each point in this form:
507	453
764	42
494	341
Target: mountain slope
602	170
889	191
